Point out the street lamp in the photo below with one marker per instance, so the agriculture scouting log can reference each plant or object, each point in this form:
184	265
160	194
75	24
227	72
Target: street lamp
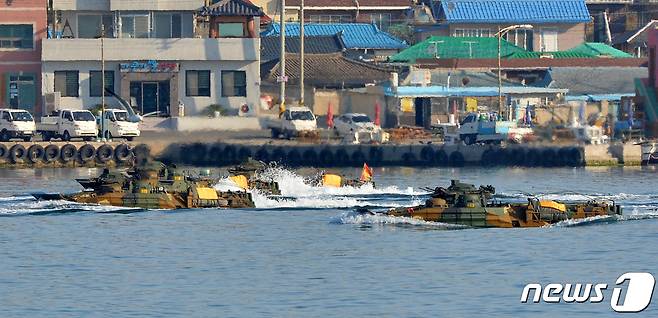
499	35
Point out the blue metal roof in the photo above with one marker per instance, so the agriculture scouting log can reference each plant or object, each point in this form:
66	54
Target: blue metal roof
442	91
354	35
513	11
597	97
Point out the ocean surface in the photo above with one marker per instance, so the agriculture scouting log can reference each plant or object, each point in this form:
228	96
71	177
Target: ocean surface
312	256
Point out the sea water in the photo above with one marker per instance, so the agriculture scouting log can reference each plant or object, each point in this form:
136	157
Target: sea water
308	254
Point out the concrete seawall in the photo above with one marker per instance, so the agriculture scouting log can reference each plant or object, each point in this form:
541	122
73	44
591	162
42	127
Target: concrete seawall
224	153
335	155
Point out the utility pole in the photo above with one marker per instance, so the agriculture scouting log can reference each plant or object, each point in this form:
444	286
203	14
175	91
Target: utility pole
301	53
500	79
282	59
102	82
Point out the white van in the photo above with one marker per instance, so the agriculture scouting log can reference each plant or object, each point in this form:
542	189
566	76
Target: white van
16	123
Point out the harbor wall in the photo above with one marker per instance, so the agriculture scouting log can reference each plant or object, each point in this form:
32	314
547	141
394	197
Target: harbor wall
93	154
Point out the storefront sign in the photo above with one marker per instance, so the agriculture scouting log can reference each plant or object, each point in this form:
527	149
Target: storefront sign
151	66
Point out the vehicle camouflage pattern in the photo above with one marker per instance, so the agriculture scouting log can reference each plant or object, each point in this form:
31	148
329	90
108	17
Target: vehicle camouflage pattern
246	177
464	204
153	185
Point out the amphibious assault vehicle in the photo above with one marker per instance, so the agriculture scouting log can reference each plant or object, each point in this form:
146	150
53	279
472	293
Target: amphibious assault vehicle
245	176
153	185
463	203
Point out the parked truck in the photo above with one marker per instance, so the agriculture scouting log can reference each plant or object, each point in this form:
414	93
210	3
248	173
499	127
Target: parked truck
16	123
116	124
66	124
486	128
295	122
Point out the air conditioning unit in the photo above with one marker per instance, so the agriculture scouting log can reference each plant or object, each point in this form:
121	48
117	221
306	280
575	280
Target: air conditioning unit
246	110
51	102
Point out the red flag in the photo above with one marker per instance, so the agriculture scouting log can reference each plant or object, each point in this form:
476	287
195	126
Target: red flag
377	114
366	173
330	116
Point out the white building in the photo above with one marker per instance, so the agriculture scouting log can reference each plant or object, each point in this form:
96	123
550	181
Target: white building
157	53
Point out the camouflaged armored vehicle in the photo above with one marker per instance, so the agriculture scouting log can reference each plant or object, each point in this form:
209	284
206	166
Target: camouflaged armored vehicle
153	185
245	176
463	203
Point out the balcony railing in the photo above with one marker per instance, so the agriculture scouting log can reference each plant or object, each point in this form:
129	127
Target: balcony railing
190	49
107	5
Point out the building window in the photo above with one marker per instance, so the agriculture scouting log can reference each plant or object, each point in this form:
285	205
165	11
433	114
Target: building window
330	18
381	20
135	26
89	26
167	25
477	33
95	82
234	83
67	83
16	36
230	29
197	83
549	40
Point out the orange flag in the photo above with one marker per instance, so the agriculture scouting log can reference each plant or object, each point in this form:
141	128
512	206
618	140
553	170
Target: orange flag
366	174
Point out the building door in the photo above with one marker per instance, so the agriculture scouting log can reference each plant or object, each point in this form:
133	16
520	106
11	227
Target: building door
20	91
549	40
150	102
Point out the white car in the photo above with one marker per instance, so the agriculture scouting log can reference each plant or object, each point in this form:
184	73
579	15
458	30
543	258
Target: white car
16	123
295	122
359	128
68	123
116	124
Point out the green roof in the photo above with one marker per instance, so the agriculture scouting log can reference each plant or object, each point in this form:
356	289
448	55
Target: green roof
456	47
599	50
554	55
487	48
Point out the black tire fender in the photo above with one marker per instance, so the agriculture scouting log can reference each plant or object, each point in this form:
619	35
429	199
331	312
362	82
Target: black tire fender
456	159
35	153
376	155
278	155
409	159
86	153
104	153
294	157
358	157
441	158
244	153
68	152
310	157
4	152
342	158
326	157
51	153
263	155
122	153
17	153
427	154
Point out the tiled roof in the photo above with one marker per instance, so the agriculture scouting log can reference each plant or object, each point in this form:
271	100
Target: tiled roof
231	8
328	70
552	55
456	47
599	50
270	46
354	35
513	11
597	80
351	3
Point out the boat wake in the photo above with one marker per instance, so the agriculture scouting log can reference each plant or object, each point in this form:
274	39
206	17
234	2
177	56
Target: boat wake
354	217
27	205
297	192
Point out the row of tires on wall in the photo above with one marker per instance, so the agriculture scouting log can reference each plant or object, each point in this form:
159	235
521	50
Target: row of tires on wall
219	154
68	153
534	157
222	154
